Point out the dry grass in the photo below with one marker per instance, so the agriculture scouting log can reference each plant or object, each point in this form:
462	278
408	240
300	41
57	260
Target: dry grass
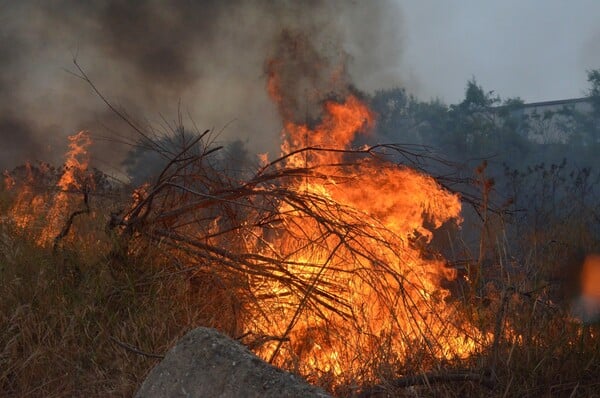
60	314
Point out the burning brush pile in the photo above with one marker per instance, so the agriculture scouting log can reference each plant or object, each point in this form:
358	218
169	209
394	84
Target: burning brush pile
322	252
324	249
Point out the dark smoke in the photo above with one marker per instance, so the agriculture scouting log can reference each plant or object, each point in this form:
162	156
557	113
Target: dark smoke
149	57
303	76
17	133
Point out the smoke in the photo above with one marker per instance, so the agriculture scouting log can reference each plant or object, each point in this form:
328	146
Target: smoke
302	76
208	60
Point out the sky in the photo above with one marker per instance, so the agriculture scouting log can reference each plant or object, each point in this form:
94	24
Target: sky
537	50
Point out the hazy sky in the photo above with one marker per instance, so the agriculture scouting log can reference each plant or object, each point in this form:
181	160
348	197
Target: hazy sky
538	50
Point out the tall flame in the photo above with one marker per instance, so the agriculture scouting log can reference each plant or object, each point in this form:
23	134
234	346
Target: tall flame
390	291
72	180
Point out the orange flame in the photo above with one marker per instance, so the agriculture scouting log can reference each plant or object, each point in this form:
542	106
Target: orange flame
75	173
9	181
35	205
391	290
22	213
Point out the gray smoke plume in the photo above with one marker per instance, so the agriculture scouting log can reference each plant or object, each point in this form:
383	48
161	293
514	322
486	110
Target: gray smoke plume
207	59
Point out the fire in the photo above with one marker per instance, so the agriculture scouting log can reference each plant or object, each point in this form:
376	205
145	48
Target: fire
342	241
377	287
35	205
9	181
336	131
74	179
22	214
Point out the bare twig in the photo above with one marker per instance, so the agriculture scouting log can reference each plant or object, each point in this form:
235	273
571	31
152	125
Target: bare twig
135	350
67	227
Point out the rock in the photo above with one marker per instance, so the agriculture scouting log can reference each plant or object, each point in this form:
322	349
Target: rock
206	363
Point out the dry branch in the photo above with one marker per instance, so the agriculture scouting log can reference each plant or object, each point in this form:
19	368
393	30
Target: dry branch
69	223
135	350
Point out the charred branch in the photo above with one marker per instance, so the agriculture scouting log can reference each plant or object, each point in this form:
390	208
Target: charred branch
69	223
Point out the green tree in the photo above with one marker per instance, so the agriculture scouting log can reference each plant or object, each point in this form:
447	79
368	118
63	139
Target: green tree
472	123
405	119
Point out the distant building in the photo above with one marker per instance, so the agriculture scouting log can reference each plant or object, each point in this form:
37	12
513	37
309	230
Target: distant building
550	121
